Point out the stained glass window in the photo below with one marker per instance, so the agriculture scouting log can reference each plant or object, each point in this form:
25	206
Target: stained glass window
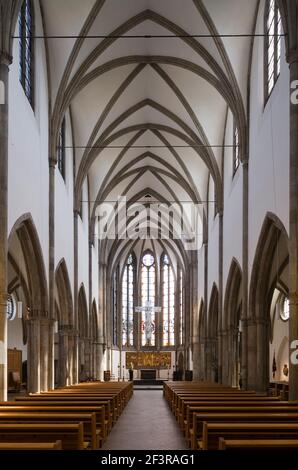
285	309
236	153
115	305
61	150
11	308
148	295
273	31
168	302
181	307
128	301
26	49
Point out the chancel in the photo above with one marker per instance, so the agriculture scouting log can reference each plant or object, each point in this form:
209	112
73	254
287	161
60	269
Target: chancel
148	224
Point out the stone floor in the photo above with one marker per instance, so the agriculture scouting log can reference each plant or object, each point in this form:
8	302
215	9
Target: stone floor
146	424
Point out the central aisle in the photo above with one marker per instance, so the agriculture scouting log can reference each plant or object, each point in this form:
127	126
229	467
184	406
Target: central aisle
146	424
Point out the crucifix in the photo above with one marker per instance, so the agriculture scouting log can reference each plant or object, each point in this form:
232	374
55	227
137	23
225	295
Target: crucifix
148	308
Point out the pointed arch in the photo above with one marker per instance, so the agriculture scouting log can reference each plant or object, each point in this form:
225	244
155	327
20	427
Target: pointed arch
25	231
271	259
213	313
232	299
272	254
64	293
82	312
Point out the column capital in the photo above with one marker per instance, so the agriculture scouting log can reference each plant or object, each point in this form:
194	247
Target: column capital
292	56
244	162
5	59
36	314
52	162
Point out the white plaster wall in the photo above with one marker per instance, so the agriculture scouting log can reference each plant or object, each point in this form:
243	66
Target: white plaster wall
115	361
95	278
64	220
269	146
201	265
279	345
232	216
28	168
213	254
83	243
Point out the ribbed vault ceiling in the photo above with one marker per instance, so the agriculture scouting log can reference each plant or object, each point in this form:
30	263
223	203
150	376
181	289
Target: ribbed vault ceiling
153	96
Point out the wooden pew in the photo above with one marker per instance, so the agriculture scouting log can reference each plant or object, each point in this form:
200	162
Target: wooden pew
211	394
31	445
192	402
243	444
71	435
212	432
237	417
67	401
114	405
239	406
12	407
88	419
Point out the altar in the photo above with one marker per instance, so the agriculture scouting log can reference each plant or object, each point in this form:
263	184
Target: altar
152	361
148	374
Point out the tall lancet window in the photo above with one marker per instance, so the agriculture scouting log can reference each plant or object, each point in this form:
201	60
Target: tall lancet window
148	295
26	49
181	306
61	150
168	301
128	282
115	305
273	31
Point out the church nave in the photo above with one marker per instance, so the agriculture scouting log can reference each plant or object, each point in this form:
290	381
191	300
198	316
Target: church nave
148	423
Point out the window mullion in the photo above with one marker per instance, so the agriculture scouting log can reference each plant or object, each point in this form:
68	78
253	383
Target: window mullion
275	40
169	306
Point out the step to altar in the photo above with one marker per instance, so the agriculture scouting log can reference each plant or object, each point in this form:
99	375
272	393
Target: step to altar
148	382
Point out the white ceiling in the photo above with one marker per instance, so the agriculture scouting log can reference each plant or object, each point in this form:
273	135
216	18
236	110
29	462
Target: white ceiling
168	103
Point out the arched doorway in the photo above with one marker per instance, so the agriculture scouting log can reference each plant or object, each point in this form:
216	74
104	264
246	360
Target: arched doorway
95	343
84	340
64	336
270	270
232	328
212	340
27	284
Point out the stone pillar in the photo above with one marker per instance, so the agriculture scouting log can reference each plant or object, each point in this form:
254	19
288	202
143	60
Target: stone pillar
220	298
70	380
244	313
44	353
4	73
51	338
293	247
51	355
262	355
87	351
75	359
225	357
249	326
63	355
205	311
33	354
196	358
99	361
